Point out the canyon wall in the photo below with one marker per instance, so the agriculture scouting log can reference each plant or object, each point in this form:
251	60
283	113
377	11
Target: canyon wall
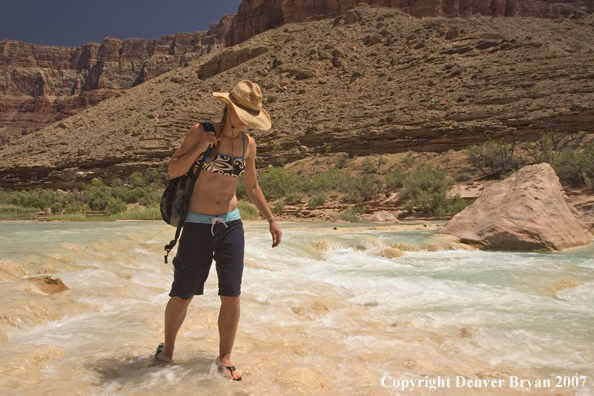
42	84
256	16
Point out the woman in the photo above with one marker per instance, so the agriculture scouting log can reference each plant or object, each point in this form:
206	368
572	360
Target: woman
213	227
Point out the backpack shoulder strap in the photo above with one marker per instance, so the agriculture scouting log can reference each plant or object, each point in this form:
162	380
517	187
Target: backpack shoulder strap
208	126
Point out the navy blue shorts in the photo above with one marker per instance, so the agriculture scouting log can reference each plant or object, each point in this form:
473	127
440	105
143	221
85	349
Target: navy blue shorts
199	243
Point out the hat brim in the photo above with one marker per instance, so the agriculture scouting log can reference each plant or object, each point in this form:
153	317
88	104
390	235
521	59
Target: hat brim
259	119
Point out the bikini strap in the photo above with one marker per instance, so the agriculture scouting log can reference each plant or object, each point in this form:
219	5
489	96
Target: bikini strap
243	137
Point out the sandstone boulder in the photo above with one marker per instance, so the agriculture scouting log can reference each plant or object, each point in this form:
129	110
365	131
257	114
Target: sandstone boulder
527	211
12	268
391	252
382	215
45	285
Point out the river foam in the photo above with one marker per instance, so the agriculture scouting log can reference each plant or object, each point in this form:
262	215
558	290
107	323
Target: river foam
323	313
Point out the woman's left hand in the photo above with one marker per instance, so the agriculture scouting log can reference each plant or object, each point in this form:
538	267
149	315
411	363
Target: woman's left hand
276	233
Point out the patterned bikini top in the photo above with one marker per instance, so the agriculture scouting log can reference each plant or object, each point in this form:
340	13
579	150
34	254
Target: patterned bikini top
225	164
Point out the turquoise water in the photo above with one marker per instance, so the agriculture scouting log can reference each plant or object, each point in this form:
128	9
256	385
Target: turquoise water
323	313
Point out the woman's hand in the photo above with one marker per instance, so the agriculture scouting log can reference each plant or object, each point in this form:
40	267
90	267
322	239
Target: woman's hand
276	233
208	139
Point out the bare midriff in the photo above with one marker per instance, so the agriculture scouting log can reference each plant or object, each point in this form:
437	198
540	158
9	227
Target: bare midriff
214	194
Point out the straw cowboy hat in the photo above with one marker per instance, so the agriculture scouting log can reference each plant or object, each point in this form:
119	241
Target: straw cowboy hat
246	99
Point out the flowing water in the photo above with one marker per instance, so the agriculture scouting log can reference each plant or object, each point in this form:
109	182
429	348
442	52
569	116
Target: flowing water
324	313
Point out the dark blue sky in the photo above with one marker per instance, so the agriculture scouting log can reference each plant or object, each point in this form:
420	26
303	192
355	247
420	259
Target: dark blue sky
71	23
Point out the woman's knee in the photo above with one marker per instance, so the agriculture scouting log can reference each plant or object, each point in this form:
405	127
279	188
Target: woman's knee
230	301
180	302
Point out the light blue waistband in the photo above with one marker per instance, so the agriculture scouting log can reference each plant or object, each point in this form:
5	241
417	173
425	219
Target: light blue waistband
193	217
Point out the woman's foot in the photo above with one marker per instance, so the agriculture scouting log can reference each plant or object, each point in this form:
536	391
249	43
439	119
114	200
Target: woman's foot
227	369
160	359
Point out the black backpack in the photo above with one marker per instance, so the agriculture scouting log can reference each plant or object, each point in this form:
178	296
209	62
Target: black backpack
175	198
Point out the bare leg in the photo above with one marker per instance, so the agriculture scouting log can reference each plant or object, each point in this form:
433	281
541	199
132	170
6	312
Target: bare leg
228	323
175	313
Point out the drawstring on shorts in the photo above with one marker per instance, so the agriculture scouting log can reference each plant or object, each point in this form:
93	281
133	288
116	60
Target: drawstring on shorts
214	220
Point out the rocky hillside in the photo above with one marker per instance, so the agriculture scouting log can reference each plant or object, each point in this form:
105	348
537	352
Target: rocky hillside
256	16
372	81
43	84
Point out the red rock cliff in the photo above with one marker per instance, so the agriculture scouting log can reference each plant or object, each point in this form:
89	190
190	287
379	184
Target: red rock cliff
256	16
43	84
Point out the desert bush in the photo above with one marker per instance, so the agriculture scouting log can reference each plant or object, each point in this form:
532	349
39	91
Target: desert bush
76	207
317	200
294	197
351	214
149	213
463	175
551	144
409	161
276	182
247	211
395	179
422	181
137	180
362	189
241	191
575	168
115	206
278	207
369	166
327	181
341	160
494	159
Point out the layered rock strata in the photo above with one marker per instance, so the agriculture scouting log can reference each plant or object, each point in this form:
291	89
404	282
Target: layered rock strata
527	211
385	83
43	84
256	16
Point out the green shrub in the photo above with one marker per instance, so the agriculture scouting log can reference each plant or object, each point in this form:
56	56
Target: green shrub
159	177
137	180
148	213
351	214
494	159
369	166
317	200
422	181
115	206
276	182
551	144
247	211
76	207
395	179
56	208
278	207
362	189
409	161
575	168
463	175
241	191
341	160
294	197
332	179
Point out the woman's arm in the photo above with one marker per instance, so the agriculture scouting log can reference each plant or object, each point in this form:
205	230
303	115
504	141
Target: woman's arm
255	193
196	142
